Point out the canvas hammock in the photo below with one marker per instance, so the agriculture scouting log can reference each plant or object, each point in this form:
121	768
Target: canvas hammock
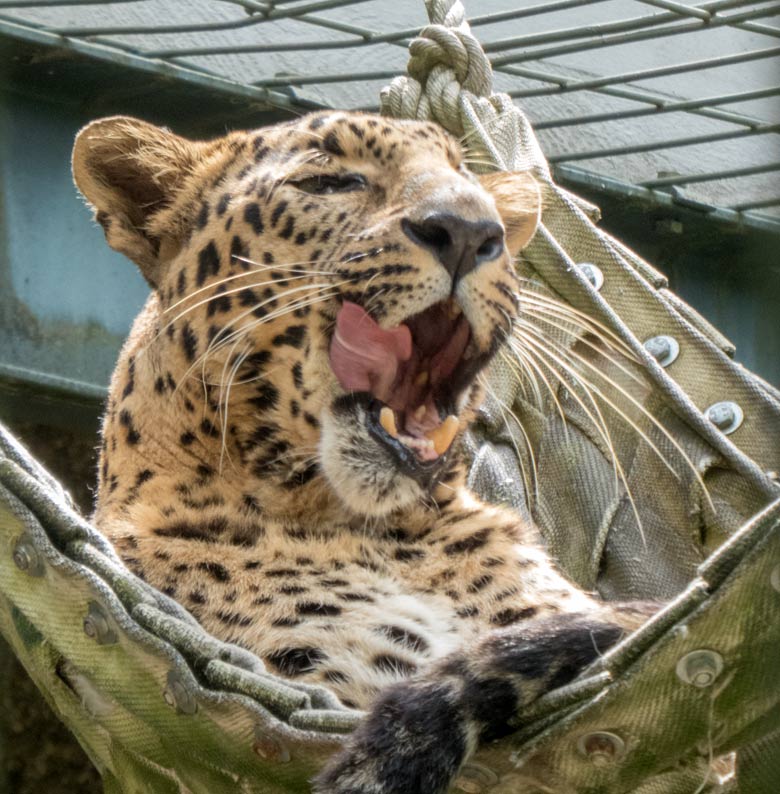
647	456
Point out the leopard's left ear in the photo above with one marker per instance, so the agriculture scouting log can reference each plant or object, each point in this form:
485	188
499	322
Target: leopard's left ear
519	203
131	172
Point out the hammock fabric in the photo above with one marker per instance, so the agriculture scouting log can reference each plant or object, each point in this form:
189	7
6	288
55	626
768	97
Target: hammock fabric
650	466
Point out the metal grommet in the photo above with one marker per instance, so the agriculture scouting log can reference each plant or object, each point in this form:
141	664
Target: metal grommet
177	696
726	416
270	749
96	625
700	668
601	748
26	558
774	578
593	274
475	778
664	349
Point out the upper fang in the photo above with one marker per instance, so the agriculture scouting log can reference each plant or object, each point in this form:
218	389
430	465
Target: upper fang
387	420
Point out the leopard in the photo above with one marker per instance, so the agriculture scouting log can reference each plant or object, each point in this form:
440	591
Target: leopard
282	445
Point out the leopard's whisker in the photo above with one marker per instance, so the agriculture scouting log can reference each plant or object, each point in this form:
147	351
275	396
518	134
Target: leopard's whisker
217	343
530	486
540	374
238	289
229	292
563	360
281	311
223	402
305	456
568	311
524	374
585	341
261	376
649	416
284	265
474	161
574	327
221	339
601	427
299	271
368	283
297	274
320	292
526	352
374	299
542	348
508	327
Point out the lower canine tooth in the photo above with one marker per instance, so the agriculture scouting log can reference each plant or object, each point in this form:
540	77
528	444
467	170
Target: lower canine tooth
443	435
419	413
387	420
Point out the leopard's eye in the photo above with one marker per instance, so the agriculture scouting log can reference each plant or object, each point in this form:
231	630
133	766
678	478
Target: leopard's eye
324	184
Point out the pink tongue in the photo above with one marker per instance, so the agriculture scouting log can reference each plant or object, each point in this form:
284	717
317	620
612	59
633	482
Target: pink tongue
365	357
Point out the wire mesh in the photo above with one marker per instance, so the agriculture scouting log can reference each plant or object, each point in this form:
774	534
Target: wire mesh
672	96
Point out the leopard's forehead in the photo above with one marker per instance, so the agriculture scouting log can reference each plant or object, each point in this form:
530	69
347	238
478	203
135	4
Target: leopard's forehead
359	136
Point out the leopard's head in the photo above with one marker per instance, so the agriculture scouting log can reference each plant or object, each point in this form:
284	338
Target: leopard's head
327	290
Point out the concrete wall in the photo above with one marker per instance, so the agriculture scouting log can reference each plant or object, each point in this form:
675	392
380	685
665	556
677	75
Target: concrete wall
66	300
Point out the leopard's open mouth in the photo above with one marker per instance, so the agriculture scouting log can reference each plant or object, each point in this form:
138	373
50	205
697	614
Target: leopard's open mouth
412	377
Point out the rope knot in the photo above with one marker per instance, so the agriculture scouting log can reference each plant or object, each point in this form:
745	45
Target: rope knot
450	81
454	52
445	61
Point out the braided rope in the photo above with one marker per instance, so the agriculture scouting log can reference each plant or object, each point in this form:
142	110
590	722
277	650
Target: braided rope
450	81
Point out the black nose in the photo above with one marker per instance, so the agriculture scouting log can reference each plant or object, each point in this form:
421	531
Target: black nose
460	245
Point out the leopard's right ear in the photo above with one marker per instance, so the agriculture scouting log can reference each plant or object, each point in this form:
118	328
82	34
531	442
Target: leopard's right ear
518	201
131	172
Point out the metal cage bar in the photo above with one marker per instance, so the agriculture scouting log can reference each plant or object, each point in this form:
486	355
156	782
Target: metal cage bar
535	61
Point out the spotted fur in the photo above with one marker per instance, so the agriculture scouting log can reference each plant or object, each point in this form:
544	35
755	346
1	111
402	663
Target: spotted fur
237	475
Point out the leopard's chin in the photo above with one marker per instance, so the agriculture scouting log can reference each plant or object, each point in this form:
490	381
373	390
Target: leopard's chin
363	473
